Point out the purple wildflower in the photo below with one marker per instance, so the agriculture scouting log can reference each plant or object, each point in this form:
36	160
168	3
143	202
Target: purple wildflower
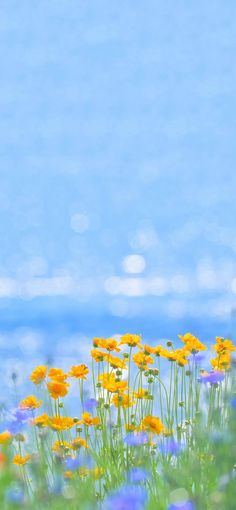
233	402
171	447
127	497
18	420
15	495
136	439
211	377
182	505
137	475
72	463
90	404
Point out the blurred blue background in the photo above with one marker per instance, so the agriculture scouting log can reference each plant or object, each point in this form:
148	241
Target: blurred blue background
117	161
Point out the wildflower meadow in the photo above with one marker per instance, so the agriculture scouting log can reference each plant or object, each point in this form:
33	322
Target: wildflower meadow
151	429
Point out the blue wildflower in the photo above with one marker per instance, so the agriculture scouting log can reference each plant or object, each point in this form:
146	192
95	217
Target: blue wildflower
71	463
233	402
211	377
126	498
90	404
18	420
15	495
136	439
136	475
171	447
182	505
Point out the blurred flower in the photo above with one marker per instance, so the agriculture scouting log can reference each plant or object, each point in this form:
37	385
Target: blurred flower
38	375
182	505
233	402
90	404
15	495
126	498
136	475
79	371
30	402
171	447
88	420
130	340
72	464
136	439
18	420
5	437
211	377
57	374
153	424
61	423
192	343
20	460
57	388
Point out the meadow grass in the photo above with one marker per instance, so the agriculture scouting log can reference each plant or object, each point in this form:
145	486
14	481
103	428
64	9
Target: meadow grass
157	431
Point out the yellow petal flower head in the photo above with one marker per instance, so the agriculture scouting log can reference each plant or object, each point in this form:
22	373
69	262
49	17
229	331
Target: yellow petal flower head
115	386
223	345
57	374
30	402
116	362
57	389
141	394
88	420
110	344
79	442
130	340
40	421
142	360
19	460
147	349
79	371
221	362
5	437
60	446
61	423
122	400
153	424
192	343
39	373
98	355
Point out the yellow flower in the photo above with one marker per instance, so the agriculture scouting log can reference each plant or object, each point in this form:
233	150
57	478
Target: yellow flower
39	373
142	360
68	474
79	442
60	446
61	422
110	344
98	355
221	362
141	393
57	374
57	389
153	424
97	472
30	402
147	349
5	437
79	371
122	400
19	460
192	343
40	421
115	386
223	345
116	362
131	340
88	420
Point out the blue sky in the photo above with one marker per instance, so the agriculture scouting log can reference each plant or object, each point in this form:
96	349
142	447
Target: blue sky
117	158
